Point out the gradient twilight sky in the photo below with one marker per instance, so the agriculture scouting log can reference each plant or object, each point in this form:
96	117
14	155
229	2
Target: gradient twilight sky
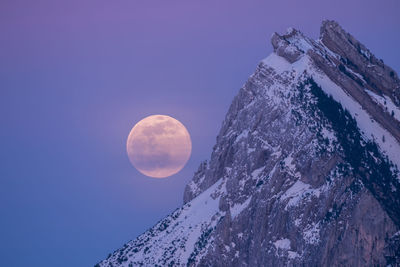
75	76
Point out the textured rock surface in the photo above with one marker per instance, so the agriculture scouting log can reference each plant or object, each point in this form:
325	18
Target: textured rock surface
381	78
297	177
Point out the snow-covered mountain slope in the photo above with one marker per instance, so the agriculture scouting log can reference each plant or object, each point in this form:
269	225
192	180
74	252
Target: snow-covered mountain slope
305	170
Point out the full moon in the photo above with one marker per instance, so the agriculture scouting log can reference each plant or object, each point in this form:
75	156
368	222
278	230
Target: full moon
159	146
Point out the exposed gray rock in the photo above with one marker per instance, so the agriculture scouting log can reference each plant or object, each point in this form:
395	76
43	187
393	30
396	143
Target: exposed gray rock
284	48
294	178
191	191
381	78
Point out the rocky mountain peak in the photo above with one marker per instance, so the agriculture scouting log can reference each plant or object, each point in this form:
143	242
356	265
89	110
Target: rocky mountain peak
290	45
305	170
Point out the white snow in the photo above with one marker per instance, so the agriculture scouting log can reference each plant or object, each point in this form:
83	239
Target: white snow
329	134
301	43
311	234
277	153
396	234
282	244
289	30
197	216
295	193
288	161
356	74
300	191
279	64
250	150
228	170
256	172
386	102
297	222
366	53
242	135
239	207
293	255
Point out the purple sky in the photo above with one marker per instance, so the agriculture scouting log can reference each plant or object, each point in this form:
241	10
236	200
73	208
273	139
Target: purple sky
76	76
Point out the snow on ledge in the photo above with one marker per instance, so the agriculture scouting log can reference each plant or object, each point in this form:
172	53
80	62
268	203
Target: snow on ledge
386	103
238	208
279	64
283	243
371	129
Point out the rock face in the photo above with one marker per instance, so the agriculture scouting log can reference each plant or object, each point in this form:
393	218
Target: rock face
304	171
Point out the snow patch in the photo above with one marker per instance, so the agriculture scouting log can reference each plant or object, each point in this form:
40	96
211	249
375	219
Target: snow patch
301	43
242	135
293	255
257	172
295	193
288	161
311	234
297	222
282	244
298	192
329	134
386	103
238	208
279	64
250	150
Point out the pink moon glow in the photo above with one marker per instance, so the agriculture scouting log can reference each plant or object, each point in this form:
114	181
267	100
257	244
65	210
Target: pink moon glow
159	146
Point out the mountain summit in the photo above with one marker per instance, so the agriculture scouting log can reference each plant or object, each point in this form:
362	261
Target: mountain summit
305	171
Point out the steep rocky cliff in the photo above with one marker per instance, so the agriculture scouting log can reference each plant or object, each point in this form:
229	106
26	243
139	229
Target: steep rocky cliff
305	171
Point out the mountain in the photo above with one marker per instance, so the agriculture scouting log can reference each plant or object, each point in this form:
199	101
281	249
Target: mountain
305	170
